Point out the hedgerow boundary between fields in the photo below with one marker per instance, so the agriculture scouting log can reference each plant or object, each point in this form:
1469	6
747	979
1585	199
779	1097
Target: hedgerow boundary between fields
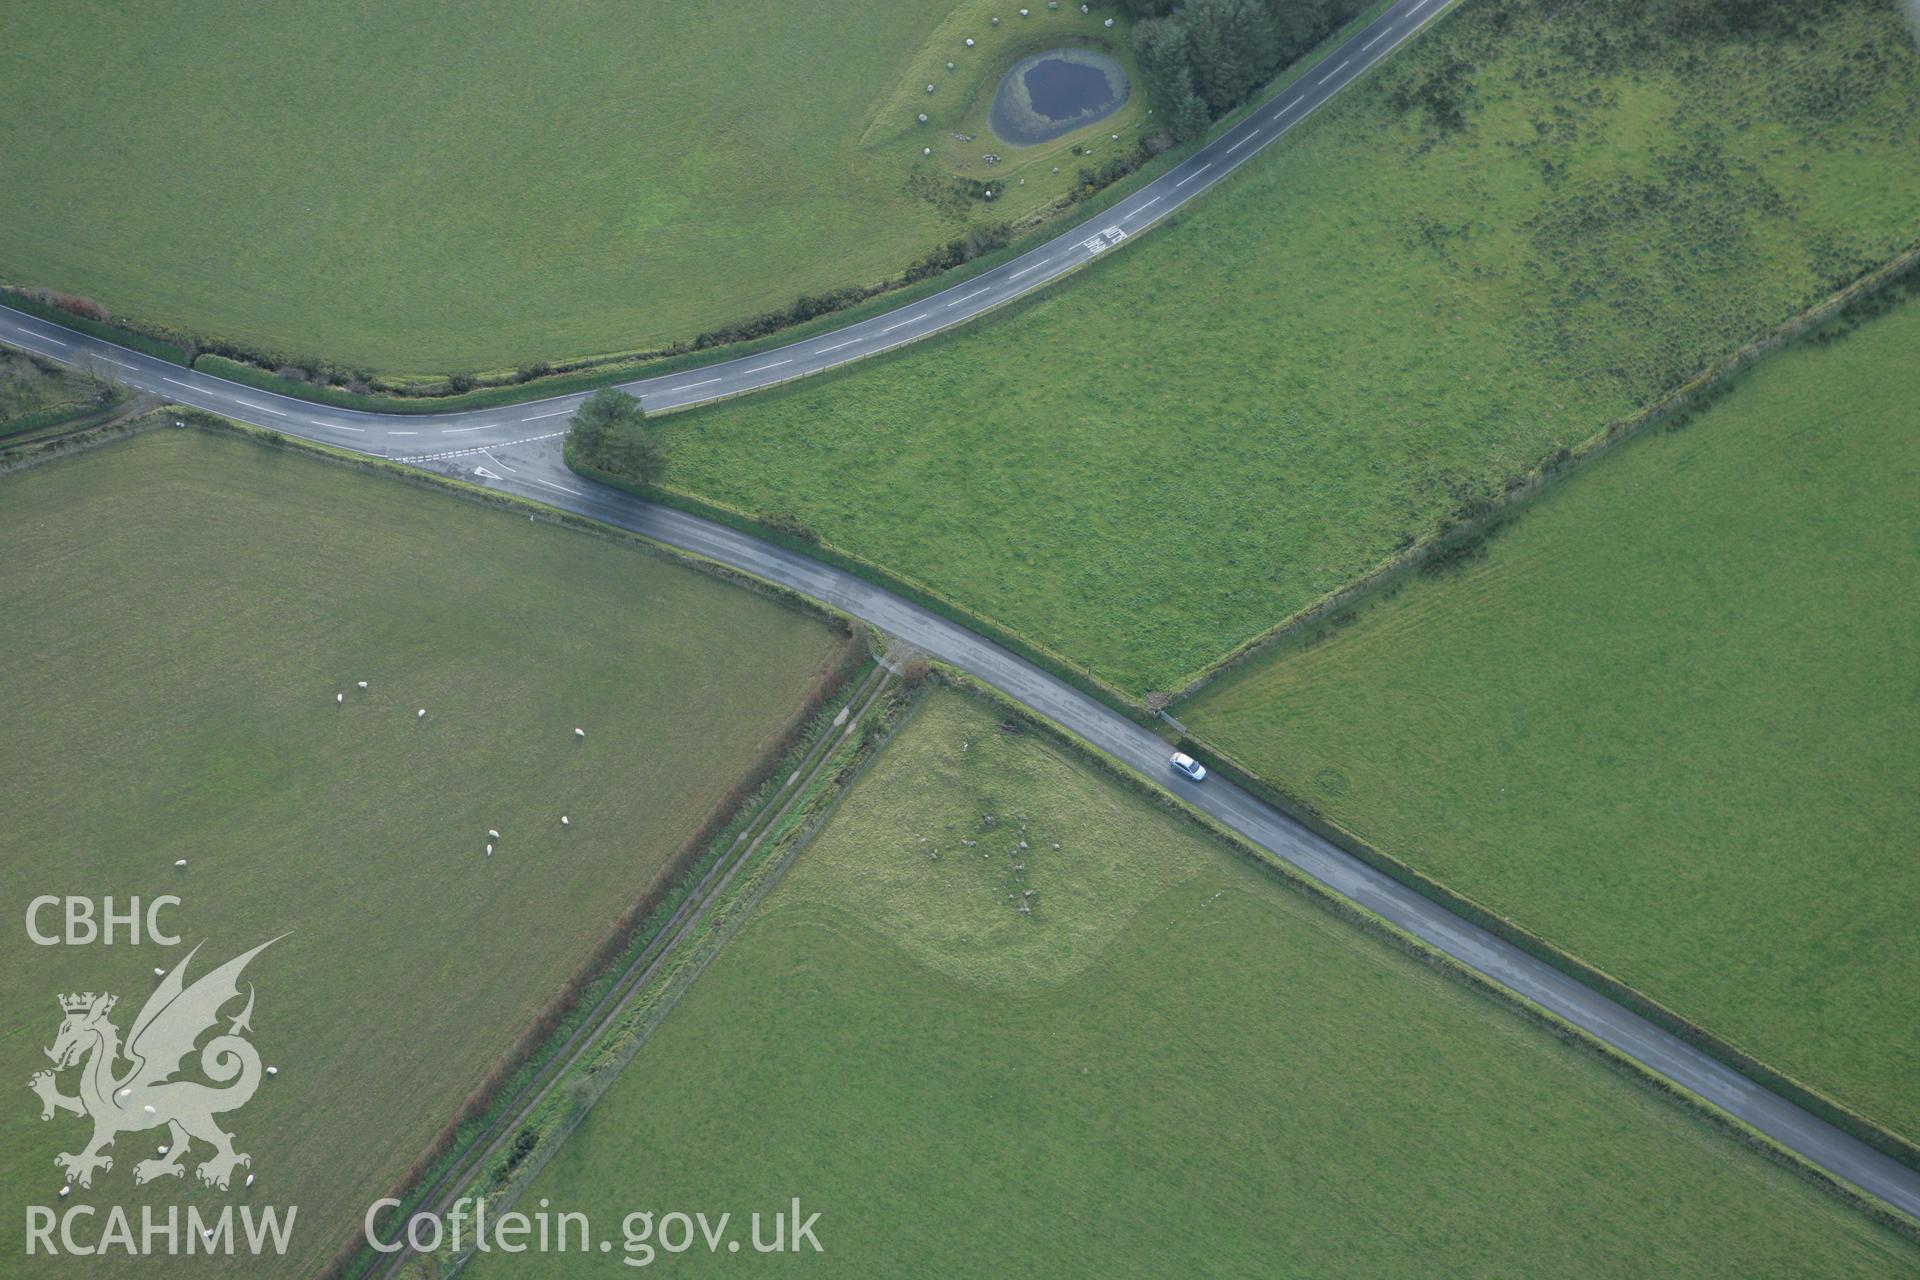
1353	913
1462	530
522	1062
1885	286
1326	898
503	1180
528	1083
1899	274
1468	525
620	1043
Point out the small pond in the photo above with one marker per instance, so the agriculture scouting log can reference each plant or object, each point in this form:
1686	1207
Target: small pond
1048	94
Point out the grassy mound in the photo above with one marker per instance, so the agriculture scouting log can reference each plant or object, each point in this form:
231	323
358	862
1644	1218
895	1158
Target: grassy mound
1171	1065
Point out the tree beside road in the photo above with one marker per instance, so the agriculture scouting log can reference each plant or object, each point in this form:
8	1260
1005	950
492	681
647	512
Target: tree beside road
610	431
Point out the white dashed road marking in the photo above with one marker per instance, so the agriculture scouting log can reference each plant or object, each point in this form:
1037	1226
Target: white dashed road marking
551	485
477	449
1113	235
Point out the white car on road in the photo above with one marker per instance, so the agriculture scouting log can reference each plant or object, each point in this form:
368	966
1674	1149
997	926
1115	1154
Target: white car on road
1189	767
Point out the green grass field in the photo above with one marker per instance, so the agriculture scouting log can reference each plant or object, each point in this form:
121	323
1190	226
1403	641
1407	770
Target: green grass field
1668	721
435	190
1381	320
1173	1065
178	612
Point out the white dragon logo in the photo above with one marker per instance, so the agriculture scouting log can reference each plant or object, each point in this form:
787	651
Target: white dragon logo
145	1096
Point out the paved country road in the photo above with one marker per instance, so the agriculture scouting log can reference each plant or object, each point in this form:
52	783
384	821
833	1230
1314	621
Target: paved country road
406	435
516	450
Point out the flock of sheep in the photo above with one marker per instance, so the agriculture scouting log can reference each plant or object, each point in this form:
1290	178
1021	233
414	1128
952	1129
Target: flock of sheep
340	700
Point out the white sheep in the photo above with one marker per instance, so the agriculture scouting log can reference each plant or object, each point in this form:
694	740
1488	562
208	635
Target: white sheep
66	1191
492	834
339	698
159	973
489	851
565	821
363	684
249	1179
273	1071
579	732
179	862
422	715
